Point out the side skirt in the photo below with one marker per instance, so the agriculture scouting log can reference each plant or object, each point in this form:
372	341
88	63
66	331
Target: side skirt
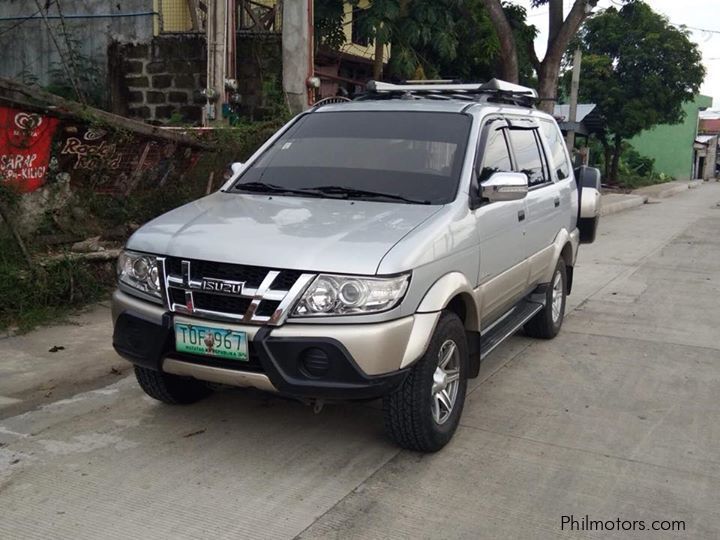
508	324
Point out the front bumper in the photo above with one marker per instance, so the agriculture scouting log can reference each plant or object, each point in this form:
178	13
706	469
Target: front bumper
348	361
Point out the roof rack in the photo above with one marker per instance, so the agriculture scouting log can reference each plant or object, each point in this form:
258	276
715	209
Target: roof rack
493	91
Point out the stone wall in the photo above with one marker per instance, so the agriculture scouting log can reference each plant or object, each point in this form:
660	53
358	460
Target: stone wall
162	80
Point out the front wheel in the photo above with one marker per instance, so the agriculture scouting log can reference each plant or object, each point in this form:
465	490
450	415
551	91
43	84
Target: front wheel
170	388
424	412
547	322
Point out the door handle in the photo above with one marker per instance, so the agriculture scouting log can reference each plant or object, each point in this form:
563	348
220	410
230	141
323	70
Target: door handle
557	201
521	215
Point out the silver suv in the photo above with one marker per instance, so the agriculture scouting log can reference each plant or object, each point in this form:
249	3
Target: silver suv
378	248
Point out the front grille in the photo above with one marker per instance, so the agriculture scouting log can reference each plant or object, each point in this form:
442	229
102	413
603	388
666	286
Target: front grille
251	275
219	302
225	291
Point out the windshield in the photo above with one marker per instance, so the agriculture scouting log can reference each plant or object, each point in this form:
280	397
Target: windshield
409	156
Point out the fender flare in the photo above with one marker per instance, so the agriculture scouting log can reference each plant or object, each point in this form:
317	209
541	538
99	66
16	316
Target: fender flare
563	241
444	290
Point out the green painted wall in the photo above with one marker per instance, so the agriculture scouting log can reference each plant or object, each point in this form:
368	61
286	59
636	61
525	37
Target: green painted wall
671	146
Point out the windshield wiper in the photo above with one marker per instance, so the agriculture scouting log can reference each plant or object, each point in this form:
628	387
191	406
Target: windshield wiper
352	192
262	187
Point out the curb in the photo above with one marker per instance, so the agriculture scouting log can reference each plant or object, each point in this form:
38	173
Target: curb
612	204
662	191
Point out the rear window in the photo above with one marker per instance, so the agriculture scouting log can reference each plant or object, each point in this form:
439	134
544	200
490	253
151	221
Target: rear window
528	155
556	146
416	155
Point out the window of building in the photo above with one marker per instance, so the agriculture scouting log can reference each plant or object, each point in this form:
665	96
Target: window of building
356	36
528	155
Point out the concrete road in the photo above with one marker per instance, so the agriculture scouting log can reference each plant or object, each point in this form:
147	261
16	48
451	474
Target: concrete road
618	417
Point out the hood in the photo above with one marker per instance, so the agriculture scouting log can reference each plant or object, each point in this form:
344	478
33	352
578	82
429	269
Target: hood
322	235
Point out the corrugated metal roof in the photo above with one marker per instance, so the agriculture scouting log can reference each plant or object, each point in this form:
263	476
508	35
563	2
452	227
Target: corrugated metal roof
562	112
704	139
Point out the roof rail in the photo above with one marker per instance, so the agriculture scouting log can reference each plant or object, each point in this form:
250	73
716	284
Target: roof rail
495	91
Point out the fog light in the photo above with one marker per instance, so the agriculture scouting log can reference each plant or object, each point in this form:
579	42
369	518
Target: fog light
314	362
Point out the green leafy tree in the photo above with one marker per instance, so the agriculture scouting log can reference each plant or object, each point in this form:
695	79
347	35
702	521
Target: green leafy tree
328	23
478	55
430	38
639	70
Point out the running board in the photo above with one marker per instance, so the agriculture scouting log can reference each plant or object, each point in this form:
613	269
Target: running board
507	326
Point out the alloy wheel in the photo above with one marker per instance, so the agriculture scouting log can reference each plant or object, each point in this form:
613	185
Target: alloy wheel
446	382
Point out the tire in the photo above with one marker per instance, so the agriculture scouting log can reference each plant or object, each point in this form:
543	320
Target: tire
412	411
546	324
170	389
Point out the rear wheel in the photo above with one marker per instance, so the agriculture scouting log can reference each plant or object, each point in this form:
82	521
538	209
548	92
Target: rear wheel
424	412
547	322
169	388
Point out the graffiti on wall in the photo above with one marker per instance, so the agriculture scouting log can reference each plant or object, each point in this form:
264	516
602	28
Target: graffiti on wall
112	164
105	161
25	142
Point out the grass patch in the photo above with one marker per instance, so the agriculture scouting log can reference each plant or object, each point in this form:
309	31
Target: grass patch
636	181
28	300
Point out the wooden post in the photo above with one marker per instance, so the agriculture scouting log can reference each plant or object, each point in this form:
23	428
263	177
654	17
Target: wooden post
58	106
574	89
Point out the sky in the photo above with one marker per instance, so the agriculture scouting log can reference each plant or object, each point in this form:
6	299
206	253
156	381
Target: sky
702	14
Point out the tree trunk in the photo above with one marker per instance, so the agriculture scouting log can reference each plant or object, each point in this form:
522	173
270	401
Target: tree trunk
558	41
547	85
555	16
509	70
617	151
378	60
608	158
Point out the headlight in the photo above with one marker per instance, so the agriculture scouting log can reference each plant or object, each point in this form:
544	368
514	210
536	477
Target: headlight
139	271
346	295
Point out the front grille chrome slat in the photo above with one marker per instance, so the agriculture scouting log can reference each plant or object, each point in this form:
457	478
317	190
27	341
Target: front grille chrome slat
235	293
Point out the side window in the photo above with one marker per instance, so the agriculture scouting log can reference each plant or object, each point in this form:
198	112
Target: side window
528	156
556	146
495	156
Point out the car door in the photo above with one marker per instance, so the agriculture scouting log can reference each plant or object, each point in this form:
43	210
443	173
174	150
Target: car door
543	198
502	274
561	170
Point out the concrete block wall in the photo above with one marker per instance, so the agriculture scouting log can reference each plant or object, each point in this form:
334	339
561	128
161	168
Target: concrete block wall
164	78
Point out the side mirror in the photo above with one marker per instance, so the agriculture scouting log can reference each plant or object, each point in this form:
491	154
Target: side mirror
236	167
505	186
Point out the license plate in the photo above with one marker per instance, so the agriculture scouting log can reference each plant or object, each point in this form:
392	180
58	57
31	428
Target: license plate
211	341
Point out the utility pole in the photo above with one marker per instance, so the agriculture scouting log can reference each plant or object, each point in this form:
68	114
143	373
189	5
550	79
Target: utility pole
297	53
217	46
574	89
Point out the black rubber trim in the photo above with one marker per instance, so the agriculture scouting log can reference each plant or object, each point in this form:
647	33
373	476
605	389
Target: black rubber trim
146	343
141	341
344	380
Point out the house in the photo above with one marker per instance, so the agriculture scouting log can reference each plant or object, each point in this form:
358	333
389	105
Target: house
673	147
129	57
707	153
352	66
148	59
